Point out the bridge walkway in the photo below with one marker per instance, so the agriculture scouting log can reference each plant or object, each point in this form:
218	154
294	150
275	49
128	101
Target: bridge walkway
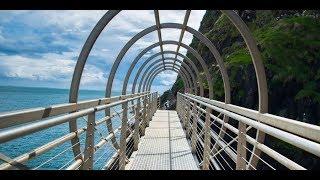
164	146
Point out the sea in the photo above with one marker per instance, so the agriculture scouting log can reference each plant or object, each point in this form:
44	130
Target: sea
16	98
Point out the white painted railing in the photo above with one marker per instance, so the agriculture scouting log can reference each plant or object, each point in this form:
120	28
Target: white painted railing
133	119
230	145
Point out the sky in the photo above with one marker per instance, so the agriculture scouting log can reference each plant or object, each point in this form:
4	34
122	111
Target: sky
40	48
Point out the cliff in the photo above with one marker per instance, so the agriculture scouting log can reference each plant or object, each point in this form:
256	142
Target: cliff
289	42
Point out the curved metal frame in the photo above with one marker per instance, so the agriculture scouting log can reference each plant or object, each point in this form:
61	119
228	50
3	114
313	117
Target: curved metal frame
234	18
187	68
145	51
155	65
153	74
151	78
167	52
175	69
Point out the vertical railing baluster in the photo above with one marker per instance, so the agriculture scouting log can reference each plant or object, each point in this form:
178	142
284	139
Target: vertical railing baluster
148	110
187	125
154	102
123	143
144	115
182	108
89	146
241	147
178	104
207	139
136	126
184	112
194	128
159	104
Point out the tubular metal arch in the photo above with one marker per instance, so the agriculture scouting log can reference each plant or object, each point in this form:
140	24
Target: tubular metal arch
77	74
197	75
146	50
154	65
132	41
156	71
26	122
201	61
145	84
235	19
149	30
260	74
152	76
255	56
169	52
144	77
187	69
175	69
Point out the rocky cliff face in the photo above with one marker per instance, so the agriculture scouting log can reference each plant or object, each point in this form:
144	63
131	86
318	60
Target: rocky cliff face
289	41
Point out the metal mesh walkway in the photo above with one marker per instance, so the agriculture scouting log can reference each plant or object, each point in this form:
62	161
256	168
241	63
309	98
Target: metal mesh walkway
164	146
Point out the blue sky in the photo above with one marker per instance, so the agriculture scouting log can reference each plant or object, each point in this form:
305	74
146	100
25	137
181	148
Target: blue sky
40	48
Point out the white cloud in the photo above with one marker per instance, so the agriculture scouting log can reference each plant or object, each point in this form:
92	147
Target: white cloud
51	67
133	20
167	78
70	20
17	66
59	67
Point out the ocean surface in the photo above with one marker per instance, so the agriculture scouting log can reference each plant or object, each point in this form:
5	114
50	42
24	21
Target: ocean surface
17	98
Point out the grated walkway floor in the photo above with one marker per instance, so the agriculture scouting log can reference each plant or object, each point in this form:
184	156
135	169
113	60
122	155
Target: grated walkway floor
164	146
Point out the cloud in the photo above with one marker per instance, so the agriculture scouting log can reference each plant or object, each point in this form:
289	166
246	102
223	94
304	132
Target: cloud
167	78
44	45
68	20
51	67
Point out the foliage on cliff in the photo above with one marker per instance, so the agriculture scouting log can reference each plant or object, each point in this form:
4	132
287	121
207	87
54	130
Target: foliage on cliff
289	42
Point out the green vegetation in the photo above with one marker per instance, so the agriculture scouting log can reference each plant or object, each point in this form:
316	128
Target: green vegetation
291	47
289	42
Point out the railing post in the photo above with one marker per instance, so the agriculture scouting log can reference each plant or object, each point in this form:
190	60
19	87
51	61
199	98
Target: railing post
207	141
194	128
158	101
136	126
184	112
89	146
177	104
241	147
180	106
148	110
187	125
144	115
123	143
155	95
182	109
155	102
150	114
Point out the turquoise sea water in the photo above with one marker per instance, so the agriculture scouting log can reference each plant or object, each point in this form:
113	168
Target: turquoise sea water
16	98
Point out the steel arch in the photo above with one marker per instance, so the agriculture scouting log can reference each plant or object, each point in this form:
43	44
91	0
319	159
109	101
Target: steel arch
234	18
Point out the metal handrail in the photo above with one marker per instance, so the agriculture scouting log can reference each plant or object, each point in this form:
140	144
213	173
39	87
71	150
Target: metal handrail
38	119
299	134
13	118
306	130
